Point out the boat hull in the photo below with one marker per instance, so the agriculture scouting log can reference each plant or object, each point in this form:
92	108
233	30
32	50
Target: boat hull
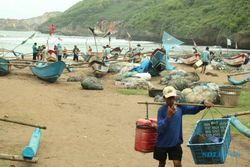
235	60
4	67
190	59
49	72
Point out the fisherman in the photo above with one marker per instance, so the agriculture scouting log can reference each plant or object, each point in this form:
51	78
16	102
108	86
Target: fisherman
76	51
107	52
43	52
35	51
65	53
169	127
205	59
59	52
136	56
89	51
138	49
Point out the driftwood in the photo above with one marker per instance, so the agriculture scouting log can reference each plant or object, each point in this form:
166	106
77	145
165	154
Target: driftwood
183	104
23	123
17	158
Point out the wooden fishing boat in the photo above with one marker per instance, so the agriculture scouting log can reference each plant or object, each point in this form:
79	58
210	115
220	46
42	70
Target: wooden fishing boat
49	72
190	59
236	61
4	67
51	56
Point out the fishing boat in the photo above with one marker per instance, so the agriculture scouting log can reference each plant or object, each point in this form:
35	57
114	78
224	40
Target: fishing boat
49	72
238	82
236	61
4	67
51	56
190	59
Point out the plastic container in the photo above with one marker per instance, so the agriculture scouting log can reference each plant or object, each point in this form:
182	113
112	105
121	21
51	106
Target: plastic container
211	152
145	135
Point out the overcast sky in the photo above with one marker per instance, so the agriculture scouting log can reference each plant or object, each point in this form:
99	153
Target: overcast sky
23	9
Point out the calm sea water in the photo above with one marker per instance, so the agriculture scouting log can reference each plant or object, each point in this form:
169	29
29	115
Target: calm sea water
11	39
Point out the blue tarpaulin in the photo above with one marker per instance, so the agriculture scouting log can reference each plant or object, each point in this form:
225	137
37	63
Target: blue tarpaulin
144	66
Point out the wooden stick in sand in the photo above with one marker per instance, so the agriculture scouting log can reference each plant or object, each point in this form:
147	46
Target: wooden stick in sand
23	123
183	104
17	158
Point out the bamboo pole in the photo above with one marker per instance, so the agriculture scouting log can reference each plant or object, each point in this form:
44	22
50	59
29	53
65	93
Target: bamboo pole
17	158
240	73
23	123
184	104
237	114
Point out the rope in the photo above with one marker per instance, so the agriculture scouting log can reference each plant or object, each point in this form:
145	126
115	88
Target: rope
218	112
204	113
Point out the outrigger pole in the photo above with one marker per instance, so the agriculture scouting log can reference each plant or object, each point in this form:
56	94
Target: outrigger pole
23	123
183	104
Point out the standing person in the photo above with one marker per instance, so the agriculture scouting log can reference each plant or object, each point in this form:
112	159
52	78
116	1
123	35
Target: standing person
205	58
107	53
169	122
137	53
75	52
43	53
89	51
138	49
35	51
65	53
59	52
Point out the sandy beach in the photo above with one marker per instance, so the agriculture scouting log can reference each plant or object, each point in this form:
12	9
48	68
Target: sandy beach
87	128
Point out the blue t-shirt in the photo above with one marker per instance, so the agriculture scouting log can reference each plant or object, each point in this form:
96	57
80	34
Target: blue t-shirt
34	49
205	56
170	129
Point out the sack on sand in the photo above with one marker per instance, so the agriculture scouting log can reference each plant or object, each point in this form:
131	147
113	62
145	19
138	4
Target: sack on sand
91	83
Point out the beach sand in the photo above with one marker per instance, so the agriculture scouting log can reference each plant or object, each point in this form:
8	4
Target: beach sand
86	128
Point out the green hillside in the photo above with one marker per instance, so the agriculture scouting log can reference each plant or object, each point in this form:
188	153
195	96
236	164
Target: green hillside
208	22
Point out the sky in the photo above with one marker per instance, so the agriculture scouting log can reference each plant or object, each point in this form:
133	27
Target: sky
24	9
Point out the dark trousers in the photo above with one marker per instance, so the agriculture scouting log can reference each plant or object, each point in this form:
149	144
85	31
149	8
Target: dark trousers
75	57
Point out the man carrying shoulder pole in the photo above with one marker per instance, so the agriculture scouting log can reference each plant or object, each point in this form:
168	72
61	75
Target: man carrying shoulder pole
169	121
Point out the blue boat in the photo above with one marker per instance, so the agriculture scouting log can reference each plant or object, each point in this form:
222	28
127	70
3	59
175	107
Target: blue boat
240	82
4	67
49	72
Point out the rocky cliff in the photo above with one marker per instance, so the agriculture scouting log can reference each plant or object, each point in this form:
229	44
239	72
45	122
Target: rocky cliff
26	24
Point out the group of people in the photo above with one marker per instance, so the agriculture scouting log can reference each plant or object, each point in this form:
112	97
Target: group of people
40	52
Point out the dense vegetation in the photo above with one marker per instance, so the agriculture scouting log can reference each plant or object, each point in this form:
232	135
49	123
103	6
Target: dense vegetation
208	22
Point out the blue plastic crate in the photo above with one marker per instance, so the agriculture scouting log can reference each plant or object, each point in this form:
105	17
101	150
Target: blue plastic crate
210	152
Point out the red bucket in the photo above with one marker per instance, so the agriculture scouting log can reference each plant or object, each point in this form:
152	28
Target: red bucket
145	135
